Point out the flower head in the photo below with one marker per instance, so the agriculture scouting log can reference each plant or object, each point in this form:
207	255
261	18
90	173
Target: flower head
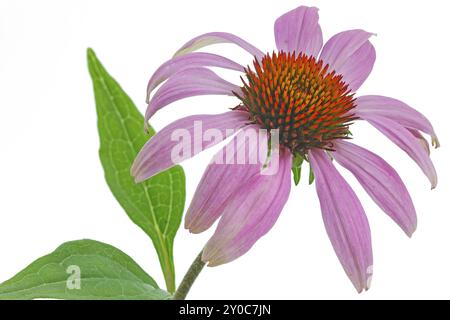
306	93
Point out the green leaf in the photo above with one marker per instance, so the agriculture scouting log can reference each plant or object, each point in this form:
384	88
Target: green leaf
156	205
83	269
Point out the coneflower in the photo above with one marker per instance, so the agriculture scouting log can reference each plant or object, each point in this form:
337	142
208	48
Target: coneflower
306	92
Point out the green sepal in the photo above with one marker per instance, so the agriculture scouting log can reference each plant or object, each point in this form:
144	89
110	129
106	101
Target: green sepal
297	168
311	175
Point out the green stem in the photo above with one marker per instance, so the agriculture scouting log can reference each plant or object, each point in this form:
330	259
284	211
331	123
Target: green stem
189	278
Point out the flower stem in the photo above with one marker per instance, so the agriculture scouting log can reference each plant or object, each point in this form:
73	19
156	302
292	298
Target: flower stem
188	280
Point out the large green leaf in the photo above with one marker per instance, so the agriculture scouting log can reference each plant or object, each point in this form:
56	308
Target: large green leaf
83	269
155	205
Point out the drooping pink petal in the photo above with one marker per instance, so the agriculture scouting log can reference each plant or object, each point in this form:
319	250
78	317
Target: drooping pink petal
351	54
225	175
403	138
189	83
183	139
215	38
249	214
398	111
190	60
299	31
380	181
345	220
422	140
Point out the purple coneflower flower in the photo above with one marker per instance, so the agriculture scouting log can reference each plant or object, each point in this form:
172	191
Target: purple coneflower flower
305	90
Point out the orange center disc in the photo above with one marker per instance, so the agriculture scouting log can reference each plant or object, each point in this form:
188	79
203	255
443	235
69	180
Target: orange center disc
296	94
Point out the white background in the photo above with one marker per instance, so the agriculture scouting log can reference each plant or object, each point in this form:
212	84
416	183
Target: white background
51	183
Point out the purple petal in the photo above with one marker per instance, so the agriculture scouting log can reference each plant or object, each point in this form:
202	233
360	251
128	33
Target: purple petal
345	220
249	214
403	138
379	106
225	176
422	140
190	60
380	181
183	139
350	54
188	83
299	31
215	38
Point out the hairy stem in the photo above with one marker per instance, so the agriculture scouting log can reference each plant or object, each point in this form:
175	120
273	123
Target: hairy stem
188	280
